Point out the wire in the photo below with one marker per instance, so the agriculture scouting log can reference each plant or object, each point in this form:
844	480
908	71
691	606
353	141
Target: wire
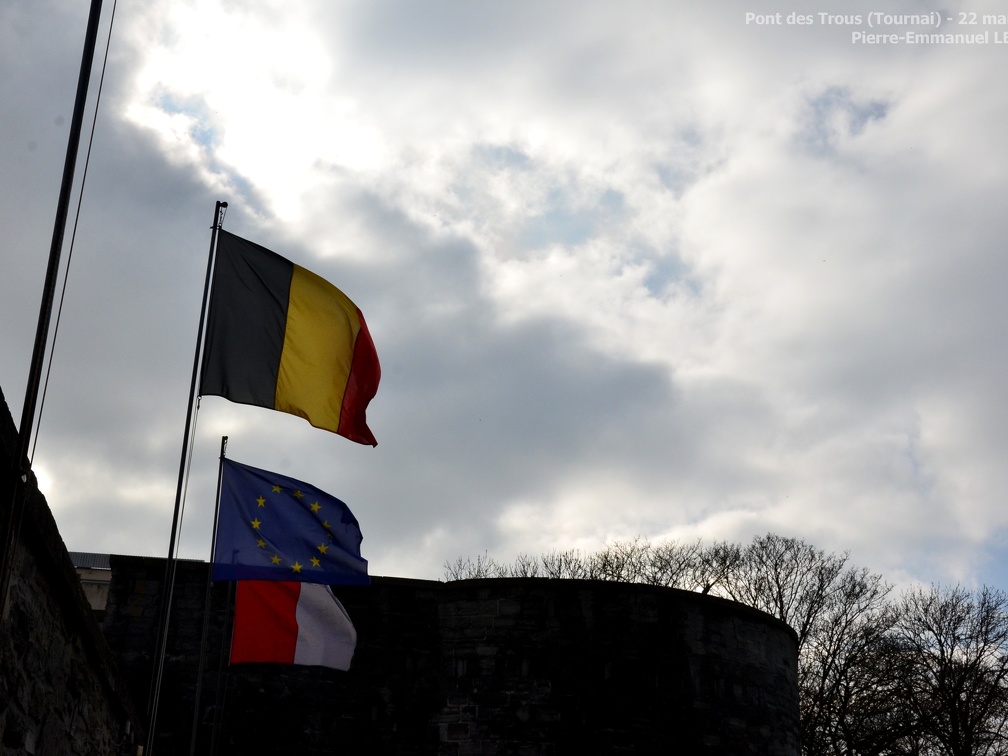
73	234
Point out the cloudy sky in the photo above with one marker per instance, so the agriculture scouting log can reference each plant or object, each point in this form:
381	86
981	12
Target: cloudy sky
632	269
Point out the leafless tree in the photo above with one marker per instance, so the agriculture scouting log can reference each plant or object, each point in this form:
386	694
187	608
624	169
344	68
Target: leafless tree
712	567
787	578
623	561
848	675
670	563
465	568
570	564
957	643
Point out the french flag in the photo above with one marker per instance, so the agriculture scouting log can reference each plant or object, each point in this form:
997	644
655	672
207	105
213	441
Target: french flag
285	622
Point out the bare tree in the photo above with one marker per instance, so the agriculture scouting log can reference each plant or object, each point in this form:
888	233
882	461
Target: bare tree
623	561
848	675
712	567
570	564
842	619
787	578
957	643
670	563
524	566
465	568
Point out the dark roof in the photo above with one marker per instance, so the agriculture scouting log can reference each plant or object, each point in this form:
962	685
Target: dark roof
90	561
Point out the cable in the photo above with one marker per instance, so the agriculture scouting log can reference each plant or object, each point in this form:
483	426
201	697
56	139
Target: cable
73	234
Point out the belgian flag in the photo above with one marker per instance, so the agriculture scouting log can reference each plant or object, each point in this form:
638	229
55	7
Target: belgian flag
281	337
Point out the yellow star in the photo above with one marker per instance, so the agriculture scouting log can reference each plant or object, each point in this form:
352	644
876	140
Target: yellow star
316	507
323	547
315	562
298	495
261	501
325	524
275	559
261	543
276	489
296	567
256	523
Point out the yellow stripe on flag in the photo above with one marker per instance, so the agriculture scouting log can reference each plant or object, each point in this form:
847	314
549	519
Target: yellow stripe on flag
322	328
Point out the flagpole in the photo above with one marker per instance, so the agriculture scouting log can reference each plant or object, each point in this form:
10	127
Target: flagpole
169	579
216	514
220	701
206	603
10	521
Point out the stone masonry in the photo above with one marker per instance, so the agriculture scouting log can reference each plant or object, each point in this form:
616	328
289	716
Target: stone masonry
481	667
60	691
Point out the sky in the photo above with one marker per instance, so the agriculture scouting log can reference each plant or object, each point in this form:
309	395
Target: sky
638	269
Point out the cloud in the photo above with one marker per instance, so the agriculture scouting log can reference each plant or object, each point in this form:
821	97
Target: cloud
636	270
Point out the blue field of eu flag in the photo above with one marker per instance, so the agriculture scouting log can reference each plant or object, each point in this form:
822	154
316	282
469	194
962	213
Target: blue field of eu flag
271	527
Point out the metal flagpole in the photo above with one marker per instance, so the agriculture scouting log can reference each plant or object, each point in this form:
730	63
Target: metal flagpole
206	603
169	579
220	702
11	518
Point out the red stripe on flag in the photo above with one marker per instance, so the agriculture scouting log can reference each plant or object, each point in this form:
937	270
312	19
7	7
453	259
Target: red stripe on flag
361	387
265	624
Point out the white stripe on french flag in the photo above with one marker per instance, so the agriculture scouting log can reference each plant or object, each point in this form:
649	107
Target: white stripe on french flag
285	622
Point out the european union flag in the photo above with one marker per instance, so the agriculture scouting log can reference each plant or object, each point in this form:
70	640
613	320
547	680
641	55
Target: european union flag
271	527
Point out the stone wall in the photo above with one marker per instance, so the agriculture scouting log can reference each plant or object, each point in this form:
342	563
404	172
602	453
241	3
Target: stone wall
60	691
482	667
602	667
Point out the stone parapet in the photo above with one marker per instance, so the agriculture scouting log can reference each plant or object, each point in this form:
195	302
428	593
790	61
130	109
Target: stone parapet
497	666
60	691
